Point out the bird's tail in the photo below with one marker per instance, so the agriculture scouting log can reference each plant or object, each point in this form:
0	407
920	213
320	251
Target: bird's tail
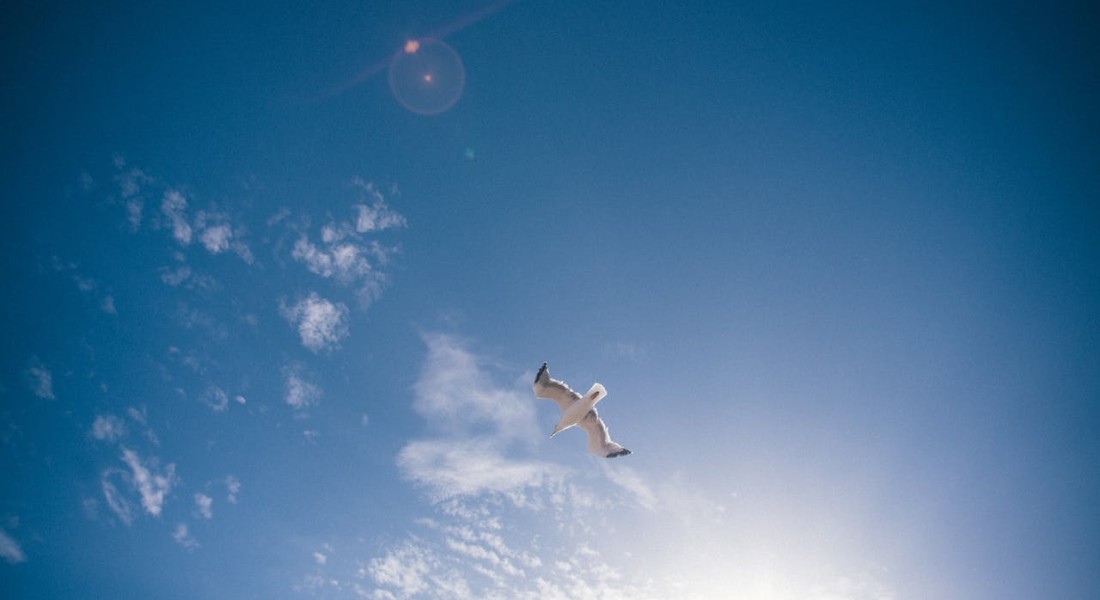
598	391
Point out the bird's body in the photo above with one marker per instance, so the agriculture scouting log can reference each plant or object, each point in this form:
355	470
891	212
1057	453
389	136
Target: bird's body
579	411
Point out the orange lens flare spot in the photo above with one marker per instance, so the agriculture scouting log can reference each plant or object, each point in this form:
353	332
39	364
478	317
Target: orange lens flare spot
412	46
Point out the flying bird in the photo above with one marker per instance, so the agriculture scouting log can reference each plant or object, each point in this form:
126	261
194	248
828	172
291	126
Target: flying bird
580	411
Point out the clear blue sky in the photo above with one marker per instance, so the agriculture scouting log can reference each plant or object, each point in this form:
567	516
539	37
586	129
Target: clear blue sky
269	334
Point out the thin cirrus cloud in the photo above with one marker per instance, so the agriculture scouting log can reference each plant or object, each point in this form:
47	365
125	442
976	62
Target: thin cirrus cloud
40	379
10	550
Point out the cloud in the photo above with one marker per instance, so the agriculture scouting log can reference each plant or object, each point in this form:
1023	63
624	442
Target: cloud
175	277
345	253
216	238
300	394
108	428
477	423
633	483
466	562
377	216
233	487
39	379
406	569
453	467
174	207
204	504
152	487
10	549
184	538
130	181
321	323
218	235
116	501
455	392
134	208
484	486
216	399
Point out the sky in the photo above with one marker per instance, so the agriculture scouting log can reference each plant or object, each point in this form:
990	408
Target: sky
277	282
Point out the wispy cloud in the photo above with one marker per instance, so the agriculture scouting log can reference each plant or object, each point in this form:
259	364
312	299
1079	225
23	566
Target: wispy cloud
485	484
233	488
345	253
87	285
108	428
116	501
300	394
40	379
205	505
456	392
184	538
468	562
153	487
453	467
408	570
10	550
377	215
174	208
217	234
476	421
130	180
216	399
321	324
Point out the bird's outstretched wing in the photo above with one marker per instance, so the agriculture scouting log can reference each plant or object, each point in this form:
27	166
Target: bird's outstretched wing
599	440
552	389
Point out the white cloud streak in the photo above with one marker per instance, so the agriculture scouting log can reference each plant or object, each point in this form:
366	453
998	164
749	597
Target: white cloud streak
116	501
152	487
467	467
10	550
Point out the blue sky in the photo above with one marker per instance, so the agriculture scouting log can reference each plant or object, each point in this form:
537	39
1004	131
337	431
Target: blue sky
271	334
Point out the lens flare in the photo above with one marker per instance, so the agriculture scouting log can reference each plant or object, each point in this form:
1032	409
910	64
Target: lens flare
427	76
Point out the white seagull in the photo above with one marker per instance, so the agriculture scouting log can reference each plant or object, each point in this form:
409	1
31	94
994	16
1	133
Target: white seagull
579	411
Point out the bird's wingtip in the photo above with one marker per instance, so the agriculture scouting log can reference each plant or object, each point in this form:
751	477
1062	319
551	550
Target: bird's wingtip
622	452
542	370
